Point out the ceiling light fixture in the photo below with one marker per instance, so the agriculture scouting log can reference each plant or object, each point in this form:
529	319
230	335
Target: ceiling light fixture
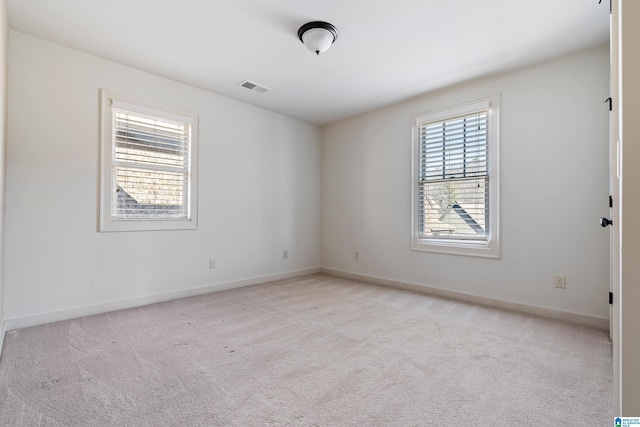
317	36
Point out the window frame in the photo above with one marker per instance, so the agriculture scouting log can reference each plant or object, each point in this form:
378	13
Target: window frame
142	106
489	248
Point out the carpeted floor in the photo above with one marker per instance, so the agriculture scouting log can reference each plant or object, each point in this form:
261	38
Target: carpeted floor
312	351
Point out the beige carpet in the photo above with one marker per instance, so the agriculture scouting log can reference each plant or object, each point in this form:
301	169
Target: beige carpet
313	351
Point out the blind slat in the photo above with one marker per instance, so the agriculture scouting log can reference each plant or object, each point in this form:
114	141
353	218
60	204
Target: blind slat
151	160
453	178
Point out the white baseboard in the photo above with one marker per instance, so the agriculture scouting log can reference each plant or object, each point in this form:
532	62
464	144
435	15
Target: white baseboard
3	332
41	319
596	322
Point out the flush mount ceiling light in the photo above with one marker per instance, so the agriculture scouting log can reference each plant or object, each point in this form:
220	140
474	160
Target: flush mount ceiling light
318	36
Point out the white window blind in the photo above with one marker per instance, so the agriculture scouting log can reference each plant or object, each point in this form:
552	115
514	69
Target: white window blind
453	174
150	167
149	160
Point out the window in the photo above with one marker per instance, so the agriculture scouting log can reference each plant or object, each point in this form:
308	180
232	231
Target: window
149	165
455	179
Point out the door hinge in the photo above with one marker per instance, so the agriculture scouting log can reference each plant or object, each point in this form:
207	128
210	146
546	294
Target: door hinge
610	101
610	201
610	297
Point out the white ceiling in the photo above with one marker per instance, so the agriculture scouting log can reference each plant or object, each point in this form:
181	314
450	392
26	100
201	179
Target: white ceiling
387	50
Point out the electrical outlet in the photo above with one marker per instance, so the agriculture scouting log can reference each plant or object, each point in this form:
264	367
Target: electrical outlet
212	263
560	281
285	254
356	256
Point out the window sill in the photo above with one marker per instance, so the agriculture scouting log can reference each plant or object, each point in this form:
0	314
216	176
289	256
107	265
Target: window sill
145	225
457	247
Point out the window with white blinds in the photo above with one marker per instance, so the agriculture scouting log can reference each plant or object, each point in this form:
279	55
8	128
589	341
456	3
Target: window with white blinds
149	162
453	179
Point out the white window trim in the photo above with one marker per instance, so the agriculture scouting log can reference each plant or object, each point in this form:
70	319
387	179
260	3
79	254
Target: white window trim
107	100
491	247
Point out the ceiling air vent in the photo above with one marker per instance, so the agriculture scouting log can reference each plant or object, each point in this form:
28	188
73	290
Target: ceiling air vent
254	86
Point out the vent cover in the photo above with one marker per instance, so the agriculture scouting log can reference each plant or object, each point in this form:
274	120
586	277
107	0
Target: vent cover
254	86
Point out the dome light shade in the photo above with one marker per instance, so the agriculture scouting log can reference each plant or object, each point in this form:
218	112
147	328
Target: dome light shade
318	36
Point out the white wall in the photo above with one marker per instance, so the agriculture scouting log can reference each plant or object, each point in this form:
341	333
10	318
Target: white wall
554	187
259	184
260	190
4	40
